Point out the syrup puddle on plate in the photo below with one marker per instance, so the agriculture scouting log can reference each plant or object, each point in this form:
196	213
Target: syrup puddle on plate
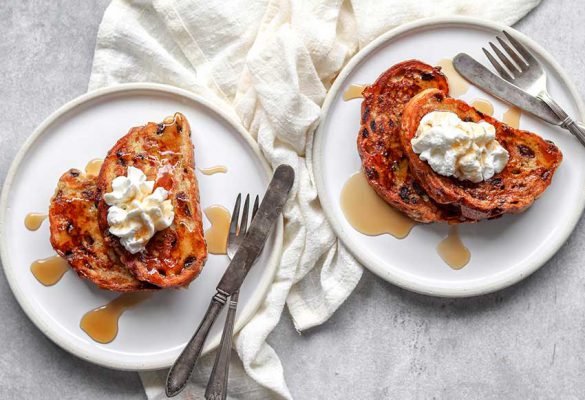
93	167
353	92
452	250
217	169
101	324
368	213
512	117
216	236
484	106
170	120
49	271
457	84
33	220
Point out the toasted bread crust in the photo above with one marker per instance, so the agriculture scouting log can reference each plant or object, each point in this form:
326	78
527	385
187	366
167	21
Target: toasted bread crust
164	152
529	171
383	159
75	235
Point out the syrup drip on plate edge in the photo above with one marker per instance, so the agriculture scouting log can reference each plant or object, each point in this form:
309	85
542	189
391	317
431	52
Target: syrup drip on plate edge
353	92
216	169
216	236
484	106
101	324
511	116
93	167
34	220
452	250
457	84
49	271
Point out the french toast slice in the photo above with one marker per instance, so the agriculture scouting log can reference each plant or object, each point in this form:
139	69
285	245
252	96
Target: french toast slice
76	236
384	162
529	171
164	152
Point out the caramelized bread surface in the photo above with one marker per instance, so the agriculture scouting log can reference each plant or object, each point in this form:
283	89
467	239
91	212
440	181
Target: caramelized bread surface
76	236
529	171
164	152
383	159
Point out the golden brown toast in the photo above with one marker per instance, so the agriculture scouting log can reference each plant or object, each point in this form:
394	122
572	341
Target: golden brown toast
384	161
76	236
164	152
529	171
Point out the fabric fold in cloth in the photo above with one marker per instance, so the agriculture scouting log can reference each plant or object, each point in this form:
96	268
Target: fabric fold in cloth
269	63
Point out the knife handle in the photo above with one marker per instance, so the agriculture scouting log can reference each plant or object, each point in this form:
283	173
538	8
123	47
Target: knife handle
218	381
576	128
182	369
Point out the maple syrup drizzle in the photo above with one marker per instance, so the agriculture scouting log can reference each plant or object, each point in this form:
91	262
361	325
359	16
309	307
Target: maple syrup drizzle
367	213
93	167
217	169
353	92
164	177
216	236
512	117
484	106
33	220
49	271
101	324
452	250
170	120
457	84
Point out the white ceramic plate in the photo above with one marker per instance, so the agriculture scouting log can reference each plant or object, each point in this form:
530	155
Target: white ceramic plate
152	334
503	251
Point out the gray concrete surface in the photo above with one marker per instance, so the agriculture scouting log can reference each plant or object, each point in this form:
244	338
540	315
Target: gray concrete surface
527	341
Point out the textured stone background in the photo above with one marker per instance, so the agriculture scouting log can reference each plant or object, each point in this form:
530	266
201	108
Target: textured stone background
526	341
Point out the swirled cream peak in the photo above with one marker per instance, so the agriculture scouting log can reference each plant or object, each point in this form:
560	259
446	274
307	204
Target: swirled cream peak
465	150
137	211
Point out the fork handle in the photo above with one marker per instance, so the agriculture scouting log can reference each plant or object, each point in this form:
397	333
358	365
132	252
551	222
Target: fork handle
568	123
218	381
182	369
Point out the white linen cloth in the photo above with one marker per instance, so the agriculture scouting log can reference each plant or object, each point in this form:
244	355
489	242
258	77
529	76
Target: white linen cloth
269	63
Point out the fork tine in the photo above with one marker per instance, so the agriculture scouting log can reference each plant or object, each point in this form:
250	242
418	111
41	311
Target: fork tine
505	60
233	233
244	222
517	59
521	49
501	70
255	208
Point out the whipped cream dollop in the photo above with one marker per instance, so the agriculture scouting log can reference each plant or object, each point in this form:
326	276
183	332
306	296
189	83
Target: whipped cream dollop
465	150
137	212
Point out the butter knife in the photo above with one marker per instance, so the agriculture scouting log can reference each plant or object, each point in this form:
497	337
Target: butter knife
251	247
489	82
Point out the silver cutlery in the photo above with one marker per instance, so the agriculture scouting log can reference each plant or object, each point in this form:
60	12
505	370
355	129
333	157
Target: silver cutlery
218	381
523	82
245	255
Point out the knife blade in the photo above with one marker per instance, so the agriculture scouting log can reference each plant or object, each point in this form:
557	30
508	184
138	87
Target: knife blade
486	80
266	216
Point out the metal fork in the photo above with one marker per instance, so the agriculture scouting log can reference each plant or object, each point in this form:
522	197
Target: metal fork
523	70
217	385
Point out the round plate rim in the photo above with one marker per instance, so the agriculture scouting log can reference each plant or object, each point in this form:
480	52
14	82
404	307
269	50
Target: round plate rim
102	359
484	285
